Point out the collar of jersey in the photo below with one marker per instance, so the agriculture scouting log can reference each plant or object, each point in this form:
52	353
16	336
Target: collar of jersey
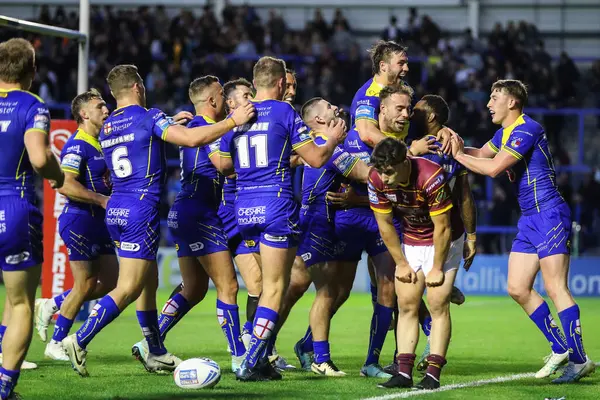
24	91
390	134
207	119
508	130
89	139
124	107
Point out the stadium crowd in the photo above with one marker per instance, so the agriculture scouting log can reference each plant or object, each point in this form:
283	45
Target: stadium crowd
171	50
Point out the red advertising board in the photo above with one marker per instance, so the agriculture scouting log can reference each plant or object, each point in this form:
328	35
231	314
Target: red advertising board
56	272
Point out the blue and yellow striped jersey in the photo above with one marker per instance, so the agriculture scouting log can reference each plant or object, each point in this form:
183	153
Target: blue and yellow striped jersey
132	139
317	182
261	149
82	155
199	177
533	175
20	112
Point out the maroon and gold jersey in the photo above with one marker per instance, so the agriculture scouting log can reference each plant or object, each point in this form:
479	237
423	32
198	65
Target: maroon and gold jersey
426	194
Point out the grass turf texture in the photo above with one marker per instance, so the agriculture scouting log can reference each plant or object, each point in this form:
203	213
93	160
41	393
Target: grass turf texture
492	338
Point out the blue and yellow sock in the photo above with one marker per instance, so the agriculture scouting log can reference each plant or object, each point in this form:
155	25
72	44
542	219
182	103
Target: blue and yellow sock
569	319
545	323
103	313
264	324
173	310
229	319
148	321
62	328
382	318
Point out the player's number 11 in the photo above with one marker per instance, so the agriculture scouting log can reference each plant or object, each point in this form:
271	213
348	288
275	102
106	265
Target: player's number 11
259	143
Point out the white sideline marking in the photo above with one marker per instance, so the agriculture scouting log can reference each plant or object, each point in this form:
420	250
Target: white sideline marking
445	388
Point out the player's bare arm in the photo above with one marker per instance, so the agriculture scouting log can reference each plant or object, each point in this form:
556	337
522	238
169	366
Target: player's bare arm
483	166
442	235
422	146
464	197
369	132
74	190
389	235
42	159
203	135
317	156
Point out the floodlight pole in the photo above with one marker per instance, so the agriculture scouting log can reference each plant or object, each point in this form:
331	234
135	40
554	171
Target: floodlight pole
84	46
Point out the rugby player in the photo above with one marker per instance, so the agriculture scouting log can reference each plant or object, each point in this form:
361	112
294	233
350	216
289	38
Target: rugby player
267	213
81	224
133	140
25	149
318	249
237	93
197	230
417	191
291	86
520	147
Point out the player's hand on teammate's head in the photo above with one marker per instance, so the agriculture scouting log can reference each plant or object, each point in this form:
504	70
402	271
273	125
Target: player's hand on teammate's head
182	117
423	146
243	114
443	136
405	274
434	278
336	130
469	252
58	183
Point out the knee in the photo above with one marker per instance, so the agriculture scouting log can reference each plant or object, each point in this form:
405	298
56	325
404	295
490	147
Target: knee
438	307
556	289
85	288
518	292
130	290
409	309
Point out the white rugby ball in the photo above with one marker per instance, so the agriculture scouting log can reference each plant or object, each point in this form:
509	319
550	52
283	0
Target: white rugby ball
197	373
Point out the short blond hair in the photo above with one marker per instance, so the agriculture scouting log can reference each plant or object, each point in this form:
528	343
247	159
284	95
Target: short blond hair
514	88
122	77
17	61
267	71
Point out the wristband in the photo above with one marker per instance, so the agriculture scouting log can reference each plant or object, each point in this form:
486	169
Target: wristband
231	123
472	236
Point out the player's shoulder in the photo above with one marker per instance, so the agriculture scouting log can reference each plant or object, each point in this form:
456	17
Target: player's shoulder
24	96
528	125
153	113
278	106
428	172
375	179
199	120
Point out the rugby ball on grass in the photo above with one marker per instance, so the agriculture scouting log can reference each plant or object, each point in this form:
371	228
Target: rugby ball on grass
197	373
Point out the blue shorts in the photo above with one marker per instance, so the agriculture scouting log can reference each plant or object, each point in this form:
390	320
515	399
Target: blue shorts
134	226
545	233
20	234
236	244
85	236
196	228
318	243
357	231
272	221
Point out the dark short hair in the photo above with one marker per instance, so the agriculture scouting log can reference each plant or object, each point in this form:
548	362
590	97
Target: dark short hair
514	88
81	100
383	50
438	106
231	86
17	61
267	71
199	85
387	153
122	77
290	71
309	106
399	88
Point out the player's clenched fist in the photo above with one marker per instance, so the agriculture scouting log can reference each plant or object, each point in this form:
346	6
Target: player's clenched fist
336	130
434	278
405	274
243	114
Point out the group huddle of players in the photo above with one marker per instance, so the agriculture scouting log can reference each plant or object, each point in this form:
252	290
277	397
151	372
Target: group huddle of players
364	190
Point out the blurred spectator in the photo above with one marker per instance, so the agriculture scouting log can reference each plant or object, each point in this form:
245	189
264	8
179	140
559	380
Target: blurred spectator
392	31
319	25
339	18
341	40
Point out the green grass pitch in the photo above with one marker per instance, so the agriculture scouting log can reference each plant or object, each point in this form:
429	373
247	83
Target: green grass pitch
492	337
